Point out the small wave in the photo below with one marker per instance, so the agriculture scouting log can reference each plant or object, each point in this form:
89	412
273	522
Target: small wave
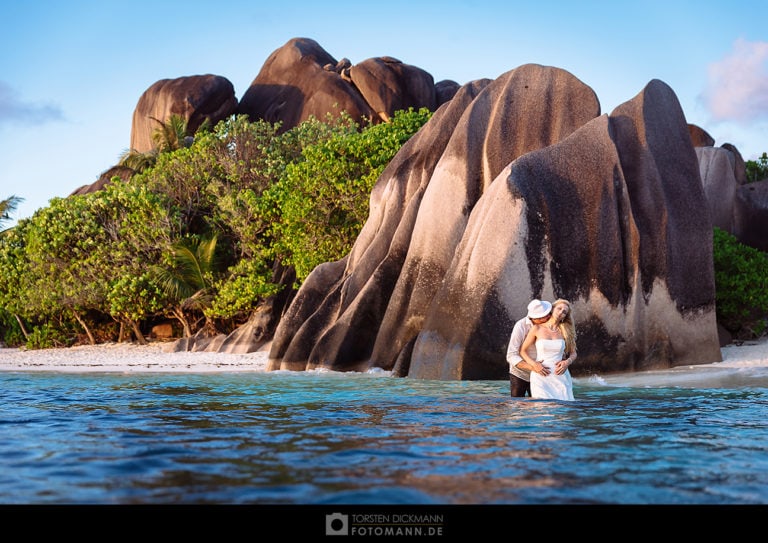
596	380
321	370
687	377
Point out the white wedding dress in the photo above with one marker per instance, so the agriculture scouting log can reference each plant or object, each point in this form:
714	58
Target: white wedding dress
553	386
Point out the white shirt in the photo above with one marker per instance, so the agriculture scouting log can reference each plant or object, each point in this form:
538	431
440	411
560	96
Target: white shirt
520	330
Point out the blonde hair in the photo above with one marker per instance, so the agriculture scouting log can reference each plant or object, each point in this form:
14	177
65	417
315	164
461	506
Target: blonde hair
567	327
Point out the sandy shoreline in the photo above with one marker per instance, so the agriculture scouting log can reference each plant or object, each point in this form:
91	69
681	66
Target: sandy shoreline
153	358
129	358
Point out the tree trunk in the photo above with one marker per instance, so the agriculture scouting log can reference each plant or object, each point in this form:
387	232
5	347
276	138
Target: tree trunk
85	327
121	333
139	336
178	314
21	325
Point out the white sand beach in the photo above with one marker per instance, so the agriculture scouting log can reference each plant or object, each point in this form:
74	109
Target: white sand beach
134	358
129	358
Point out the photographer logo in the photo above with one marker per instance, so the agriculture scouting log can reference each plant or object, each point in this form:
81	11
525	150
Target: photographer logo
336	524
385	524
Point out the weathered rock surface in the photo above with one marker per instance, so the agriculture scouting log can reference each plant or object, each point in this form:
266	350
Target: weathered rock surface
105	179
294	85
516	189
739	167
751	215
302	80
248	338
700	137
388	85
526	109
716	167
196	98
735	206
376	256
445	90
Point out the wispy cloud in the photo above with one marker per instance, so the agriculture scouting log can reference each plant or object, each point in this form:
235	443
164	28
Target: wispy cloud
738	84
14	110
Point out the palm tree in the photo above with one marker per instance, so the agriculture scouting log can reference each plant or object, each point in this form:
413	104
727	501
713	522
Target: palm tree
171	134
138	161
7	207
187	282
168	136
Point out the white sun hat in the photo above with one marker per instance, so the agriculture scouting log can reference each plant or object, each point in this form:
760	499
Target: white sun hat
538	309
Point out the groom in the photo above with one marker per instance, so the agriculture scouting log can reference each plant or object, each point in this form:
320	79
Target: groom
539	312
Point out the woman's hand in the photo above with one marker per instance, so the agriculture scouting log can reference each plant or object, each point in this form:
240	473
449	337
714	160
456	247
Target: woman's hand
541	369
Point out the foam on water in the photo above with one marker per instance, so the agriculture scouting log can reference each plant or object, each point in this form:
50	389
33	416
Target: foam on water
743	366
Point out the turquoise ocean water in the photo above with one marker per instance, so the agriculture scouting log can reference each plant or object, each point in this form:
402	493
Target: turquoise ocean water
694	435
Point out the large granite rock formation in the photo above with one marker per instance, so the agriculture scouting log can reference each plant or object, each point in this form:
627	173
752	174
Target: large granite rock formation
377	254
293	85
738	207
445	90
388	85
751	215
518	188
739	166
196	98
372	307
297	81
302	80
717	170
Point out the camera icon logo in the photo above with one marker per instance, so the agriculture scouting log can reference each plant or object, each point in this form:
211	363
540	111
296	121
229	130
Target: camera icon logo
336	524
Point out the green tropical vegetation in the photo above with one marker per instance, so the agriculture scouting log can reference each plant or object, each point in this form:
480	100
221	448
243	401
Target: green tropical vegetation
757	170
741	286
199	232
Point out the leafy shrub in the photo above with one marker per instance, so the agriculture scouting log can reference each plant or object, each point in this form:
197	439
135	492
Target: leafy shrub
741	286
46	336
323	200
13	338
274	200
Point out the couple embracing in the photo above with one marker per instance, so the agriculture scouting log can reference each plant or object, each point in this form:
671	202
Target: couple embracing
542	346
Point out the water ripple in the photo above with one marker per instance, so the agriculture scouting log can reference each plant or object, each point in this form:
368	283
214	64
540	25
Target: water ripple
327	438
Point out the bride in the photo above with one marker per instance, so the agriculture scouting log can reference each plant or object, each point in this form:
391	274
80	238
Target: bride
556	338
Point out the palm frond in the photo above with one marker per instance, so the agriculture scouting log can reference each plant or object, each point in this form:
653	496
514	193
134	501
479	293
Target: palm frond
7	207
188	266
206	253
138	161
171	134
171	283
185	279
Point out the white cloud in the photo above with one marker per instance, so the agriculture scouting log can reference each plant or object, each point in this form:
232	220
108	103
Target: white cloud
738	84
12	109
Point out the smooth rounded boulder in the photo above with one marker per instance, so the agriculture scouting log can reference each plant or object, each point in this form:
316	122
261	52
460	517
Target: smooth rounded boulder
197	99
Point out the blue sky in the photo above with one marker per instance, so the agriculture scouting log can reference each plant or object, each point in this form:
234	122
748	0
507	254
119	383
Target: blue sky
72	71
